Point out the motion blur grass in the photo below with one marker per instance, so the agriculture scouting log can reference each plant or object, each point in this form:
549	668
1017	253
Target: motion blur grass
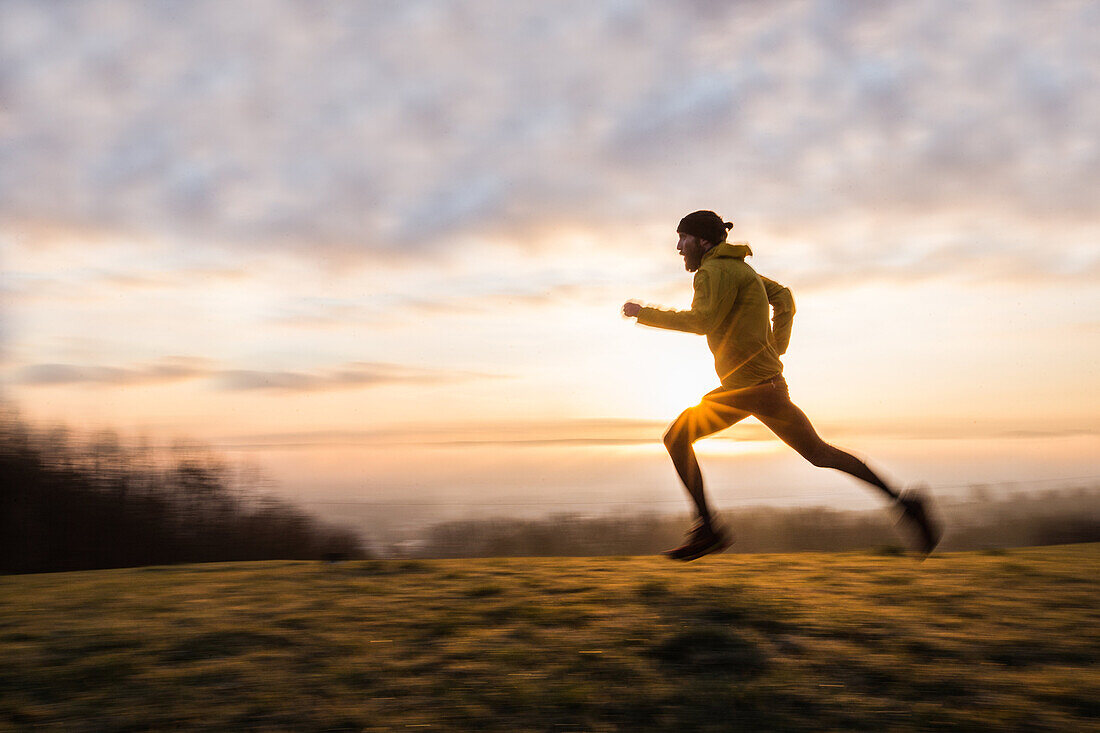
805	642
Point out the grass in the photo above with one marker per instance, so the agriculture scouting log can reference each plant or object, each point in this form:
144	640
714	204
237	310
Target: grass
875	641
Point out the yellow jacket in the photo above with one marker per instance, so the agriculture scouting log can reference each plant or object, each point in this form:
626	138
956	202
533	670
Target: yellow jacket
731	307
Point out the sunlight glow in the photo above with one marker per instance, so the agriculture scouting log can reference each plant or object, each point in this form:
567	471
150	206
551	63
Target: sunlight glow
714	446
314	269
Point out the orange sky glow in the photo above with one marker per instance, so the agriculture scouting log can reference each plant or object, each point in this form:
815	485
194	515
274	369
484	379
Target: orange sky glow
397	277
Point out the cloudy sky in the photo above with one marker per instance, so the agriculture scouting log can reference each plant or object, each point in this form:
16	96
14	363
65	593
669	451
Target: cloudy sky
380	248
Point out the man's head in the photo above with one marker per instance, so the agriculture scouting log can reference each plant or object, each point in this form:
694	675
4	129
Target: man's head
700	231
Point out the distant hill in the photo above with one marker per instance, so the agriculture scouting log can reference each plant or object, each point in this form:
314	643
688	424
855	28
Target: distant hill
1019	520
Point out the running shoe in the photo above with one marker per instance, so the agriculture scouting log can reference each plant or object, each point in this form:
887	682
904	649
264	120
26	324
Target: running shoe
917	517
702	539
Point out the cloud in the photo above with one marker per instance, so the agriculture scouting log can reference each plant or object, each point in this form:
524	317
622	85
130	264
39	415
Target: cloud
496	300
355	375
617	432
173	369
312	312
392	129
951	255
179	278
575	432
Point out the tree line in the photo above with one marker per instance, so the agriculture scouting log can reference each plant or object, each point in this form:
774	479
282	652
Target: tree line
976	523
80	504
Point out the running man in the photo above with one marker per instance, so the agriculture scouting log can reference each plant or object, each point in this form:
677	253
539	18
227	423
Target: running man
731	308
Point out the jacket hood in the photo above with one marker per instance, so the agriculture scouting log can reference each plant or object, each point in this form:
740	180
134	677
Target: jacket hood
740	250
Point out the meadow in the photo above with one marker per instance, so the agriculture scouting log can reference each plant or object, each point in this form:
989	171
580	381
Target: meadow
997	640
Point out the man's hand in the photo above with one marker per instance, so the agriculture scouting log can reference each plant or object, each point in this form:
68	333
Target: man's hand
631	309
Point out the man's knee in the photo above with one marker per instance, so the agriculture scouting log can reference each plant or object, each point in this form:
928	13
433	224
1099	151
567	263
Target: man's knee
672	436
677	436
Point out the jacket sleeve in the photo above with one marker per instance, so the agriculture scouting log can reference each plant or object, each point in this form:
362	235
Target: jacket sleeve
782	303
704	316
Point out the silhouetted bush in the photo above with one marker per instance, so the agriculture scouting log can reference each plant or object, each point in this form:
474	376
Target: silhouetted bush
69	505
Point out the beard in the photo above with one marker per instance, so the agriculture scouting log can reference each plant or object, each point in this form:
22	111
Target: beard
693	257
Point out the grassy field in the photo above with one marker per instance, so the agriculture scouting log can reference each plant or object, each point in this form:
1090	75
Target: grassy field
850	641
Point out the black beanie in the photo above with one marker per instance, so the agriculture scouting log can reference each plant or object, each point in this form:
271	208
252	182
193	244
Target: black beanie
705	225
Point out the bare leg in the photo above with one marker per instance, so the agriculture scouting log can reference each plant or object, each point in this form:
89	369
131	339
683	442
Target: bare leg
794	428
694	423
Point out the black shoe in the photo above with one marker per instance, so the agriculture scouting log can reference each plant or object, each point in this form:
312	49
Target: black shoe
917	517
703	539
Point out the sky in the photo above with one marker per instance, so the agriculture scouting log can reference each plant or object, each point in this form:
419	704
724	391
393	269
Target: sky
378	250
